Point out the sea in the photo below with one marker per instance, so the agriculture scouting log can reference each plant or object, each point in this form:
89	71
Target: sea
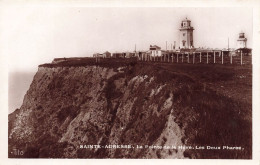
18	84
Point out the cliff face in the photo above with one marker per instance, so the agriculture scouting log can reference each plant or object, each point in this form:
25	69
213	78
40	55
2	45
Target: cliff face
67	107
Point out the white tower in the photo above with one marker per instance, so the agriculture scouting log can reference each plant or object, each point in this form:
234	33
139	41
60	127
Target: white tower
186	34
241	42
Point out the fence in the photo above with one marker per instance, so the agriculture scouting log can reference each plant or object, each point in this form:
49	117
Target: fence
196	58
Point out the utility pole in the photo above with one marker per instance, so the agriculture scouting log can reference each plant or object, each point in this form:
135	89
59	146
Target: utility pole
228	44
136	54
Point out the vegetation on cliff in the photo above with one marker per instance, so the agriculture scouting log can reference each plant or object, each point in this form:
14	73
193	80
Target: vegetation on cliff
138	104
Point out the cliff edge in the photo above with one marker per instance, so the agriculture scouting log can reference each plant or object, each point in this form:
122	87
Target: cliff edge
70	108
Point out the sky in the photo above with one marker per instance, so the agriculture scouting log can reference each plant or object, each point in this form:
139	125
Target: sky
36	35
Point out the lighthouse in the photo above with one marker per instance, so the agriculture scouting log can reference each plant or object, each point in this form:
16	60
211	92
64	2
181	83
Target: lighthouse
242	45
186	34
241	42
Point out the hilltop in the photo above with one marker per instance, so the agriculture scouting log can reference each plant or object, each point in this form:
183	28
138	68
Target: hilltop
77	102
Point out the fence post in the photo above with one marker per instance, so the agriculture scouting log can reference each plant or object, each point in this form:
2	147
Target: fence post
222	57
188	57
230	58
214	57
241	57
182	58
207	57
193	57
177	57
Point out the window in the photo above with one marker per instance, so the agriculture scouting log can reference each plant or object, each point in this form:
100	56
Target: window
183	34
183	43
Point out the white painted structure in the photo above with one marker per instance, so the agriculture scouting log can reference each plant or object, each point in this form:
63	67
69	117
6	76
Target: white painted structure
186	34
241	42
155	52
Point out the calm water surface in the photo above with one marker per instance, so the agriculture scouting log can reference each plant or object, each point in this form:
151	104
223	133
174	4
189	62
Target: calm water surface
19	83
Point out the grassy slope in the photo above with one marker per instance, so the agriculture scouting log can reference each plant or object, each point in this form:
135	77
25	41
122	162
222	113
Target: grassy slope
214	107
213	103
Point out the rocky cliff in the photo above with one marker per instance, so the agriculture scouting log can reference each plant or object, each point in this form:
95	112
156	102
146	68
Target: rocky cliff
68	109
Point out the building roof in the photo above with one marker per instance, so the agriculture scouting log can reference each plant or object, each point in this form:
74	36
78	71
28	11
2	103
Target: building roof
106	52
186	20
155	46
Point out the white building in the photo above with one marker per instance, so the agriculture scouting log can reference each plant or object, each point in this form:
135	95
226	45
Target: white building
241	42
155	51
186	34
106	54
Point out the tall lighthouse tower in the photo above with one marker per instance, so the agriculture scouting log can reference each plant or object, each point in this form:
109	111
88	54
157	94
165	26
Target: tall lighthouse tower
186	34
